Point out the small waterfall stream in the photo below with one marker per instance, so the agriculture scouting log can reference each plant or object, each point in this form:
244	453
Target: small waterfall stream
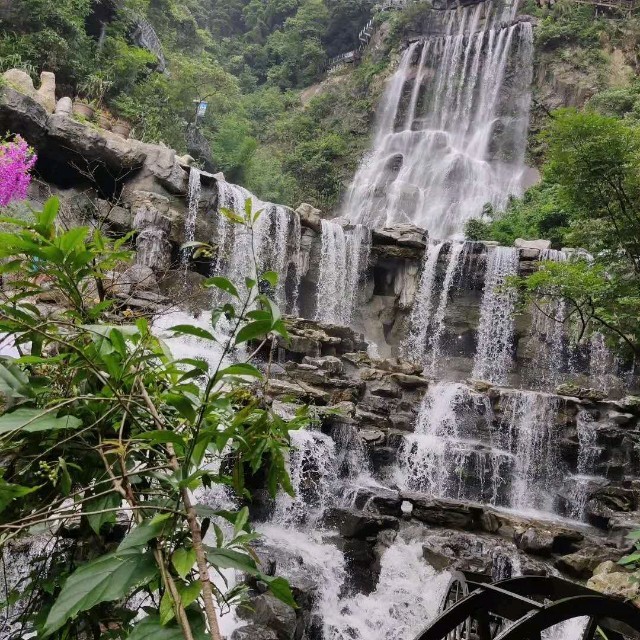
343	259
494	357
274	242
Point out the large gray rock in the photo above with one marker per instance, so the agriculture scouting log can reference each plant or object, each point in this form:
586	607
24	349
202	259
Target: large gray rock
254	632
46	94
20	81
352	523
267	611
613	580
520	243
21	114
582	563
309	216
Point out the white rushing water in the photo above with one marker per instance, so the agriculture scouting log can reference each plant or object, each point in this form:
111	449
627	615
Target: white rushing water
193	202
452	125
273	243
494	357
415	344
343	258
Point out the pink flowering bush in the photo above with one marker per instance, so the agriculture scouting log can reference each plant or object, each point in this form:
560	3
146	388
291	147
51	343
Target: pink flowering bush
16	161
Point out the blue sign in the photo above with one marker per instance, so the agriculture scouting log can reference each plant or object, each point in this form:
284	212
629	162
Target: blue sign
202	108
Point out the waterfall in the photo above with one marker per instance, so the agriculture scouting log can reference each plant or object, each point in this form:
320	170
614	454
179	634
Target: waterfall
452	125
427	318
313	477
602	363
493	358
193	201
342	260
584	479
529	425
444	457
453	266
274	242
415	343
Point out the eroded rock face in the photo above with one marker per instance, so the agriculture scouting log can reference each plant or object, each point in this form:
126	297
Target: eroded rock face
613	580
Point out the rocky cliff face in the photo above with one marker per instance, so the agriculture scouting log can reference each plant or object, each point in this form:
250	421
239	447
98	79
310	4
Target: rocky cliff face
409	450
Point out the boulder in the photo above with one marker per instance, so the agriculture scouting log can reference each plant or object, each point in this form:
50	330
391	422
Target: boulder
541	245
46	94
613	580
20	81
254	632
309	216
576	391
352	523
64	106
327	363
536	541
267	611
582	563
20	113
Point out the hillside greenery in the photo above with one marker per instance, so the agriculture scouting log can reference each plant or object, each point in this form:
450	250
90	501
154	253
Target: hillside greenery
248	59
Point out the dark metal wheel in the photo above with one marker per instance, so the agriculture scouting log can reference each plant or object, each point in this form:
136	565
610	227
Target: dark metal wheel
456	591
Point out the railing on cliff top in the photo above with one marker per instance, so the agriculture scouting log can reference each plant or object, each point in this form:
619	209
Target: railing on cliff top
369	30
365	35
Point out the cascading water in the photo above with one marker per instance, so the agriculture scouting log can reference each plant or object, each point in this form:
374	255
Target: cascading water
193	201
529	425
584	480
494	358
273	241
419	321
445	457
451	131
343	257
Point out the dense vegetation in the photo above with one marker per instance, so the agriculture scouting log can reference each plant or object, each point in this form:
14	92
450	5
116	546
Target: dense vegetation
247	58
106	440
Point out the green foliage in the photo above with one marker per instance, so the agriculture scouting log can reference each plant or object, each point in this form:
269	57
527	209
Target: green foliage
596	301
633	559
538	214
102	424
50	35
589	197
568	23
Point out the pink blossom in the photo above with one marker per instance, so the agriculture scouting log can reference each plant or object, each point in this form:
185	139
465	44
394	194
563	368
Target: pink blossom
16	160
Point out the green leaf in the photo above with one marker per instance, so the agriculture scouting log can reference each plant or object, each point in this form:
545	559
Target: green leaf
150	628
166	610
49	212
107	578
630	559
240	369
9	492
14	382
183	561
98	520
33	420
192	330
231	215
182	404
145	531
241	520
222	283
258	328
271	277
280	588
190	592
229	559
